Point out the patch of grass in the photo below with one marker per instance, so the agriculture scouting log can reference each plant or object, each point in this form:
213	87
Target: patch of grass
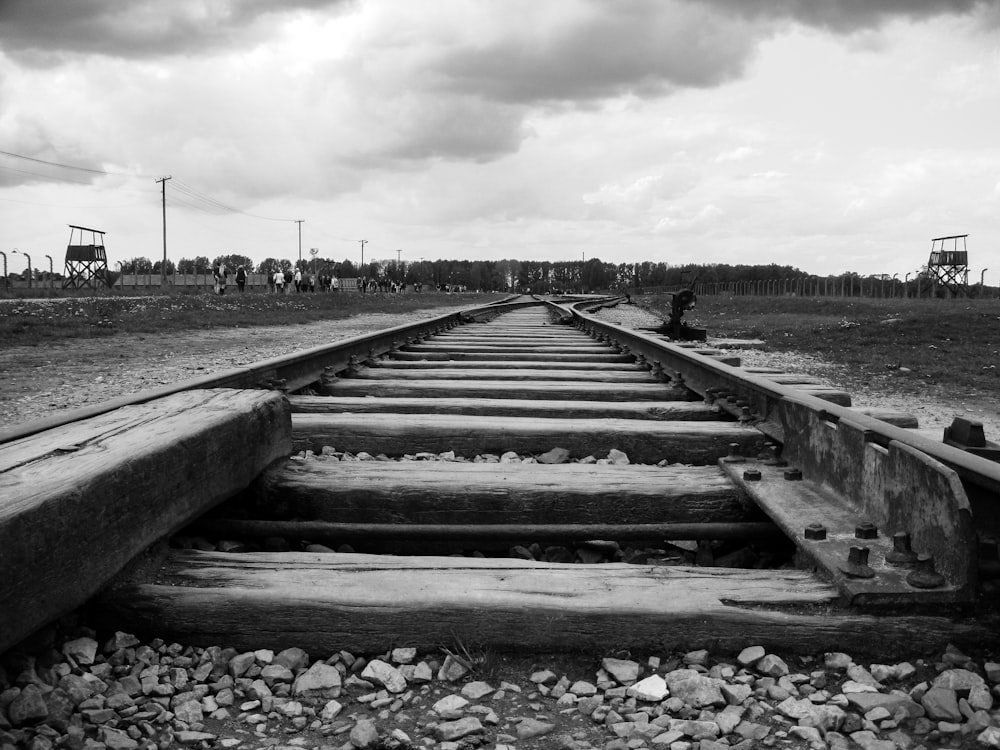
37	321
913	342
484	662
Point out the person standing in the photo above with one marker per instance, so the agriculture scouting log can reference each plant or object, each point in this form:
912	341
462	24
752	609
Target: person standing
223	278
298	279
241	279
279	282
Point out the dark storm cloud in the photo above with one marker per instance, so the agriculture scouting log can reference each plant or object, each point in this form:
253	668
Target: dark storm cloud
844	15
649	47
607	50
42	32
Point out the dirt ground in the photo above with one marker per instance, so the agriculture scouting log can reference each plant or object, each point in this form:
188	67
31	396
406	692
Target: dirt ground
39	381
43	380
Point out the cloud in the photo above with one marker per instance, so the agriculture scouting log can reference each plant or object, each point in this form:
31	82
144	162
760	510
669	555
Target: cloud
43	32
681	221
846	16
597	50
736	154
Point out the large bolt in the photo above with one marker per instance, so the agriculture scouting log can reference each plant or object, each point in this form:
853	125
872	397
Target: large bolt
902	553
925	576
793	475
752	475
866	531
815	532
774	456
857	563
734	457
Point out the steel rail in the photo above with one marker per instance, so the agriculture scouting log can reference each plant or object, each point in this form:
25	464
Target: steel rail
735	390
288	372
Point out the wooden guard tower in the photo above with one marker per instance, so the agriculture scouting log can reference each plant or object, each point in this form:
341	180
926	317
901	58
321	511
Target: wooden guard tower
949	268
86	265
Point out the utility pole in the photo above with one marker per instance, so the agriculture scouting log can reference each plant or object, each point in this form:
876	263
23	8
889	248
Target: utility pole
299	222
399	257
163	200
363	243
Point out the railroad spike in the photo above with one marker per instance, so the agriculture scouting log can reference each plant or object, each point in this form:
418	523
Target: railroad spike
774	456
857	563
734	457
901	553
925	576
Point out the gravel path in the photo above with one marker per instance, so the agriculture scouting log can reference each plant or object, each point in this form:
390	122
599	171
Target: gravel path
42	380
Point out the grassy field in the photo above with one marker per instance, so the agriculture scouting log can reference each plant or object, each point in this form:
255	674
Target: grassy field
912	343
38	321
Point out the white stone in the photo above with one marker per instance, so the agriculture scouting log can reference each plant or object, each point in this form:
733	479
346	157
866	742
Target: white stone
623	670
476	690
384	674
989	737
652	689
450	707
837	660
751	655
850	686
857	673
583	689
81	650
773	666
404	655
957	679
331	710
320	679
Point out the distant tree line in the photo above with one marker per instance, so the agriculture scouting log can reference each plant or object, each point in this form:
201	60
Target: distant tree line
526	276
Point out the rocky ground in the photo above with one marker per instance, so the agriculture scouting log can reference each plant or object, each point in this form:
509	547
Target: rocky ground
122	694
77	689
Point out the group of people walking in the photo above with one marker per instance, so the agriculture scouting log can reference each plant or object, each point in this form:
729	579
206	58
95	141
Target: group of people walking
221	275
279	282
282	282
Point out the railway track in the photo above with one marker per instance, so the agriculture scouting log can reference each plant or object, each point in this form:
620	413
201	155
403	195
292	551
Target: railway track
521	476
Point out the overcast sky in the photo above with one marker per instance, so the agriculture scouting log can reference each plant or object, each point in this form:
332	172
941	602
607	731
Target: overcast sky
833	136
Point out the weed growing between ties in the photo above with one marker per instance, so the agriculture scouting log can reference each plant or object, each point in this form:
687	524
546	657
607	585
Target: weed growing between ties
914	343
37	321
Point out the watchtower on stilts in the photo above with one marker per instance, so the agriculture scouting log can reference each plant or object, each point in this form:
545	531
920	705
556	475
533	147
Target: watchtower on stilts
947	269
86	265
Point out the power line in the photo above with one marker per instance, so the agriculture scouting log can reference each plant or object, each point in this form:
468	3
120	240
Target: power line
217	205
80	181
71	166
198	200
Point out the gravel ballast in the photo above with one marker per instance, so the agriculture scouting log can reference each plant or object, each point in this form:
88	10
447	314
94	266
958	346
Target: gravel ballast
117	692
